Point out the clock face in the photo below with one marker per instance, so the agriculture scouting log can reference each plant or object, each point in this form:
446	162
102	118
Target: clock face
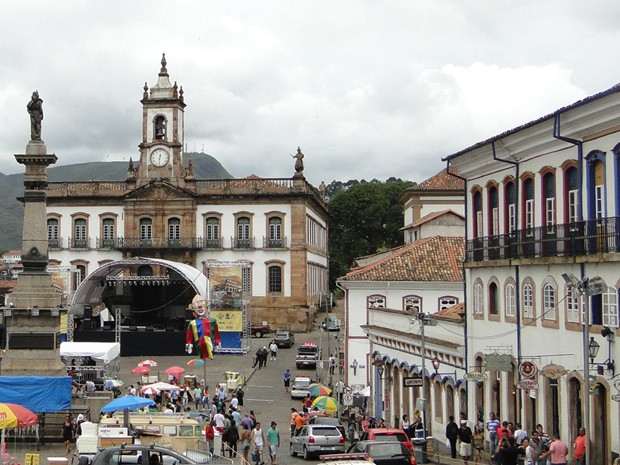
159	157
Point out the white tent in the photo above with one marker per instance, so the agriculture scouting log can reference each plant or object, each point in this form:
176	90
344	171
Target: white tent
102	351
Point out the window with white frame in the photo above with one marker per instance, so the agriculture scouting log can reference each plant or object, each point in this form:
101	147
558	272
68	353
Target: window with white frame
528	206
243	232
493	212
549	201
510	300
549	303
212	231
146	229
610	307
528	301
599	202
79	229
511	207
573	312
275	231
571	186
412	303
447	302
174	228
375	301
478	302
52	229
108	229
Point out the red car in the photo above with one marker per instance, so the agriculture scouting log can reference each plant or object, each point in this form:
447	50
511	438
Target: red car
387	434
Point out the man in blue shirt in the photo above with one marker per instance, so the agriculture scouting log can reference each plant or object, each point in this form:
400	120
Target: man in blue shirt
492	426
287	379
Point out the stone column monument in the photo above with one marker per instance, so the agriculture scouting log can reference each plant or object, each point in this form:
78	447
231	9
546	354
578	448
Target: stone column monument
33	318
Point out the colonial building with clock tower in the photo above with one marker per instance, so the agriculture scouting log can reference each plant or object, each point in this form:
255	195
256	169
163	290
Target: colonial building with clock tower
275	229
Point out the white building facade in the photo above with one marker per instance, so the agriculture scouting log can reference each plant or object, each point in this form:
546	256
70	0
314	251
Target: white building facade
542	201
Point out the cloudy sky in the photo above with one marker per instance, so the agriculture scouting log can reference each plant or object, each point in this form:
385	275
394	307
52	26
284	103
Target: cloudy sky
368	89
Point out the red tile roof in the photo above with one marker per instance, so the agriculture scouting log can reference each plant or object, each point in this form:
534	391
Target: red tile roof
454	313
431	259
442	181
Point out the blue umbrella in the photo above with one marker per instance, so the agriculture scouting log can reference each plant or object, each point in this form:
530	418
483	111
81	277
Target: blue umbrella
127	402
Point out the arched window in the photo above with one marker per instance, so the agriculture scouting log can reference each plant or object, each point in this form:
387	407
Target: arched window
52	232
243	232
174	229
213	232
493	214
275	231
510	300
549	302
79	233
438	401
375	301
493	299
478	223
108	232
510	215
528	206
412	303
528	301
160	127
146	229
275	279
571	195
478	300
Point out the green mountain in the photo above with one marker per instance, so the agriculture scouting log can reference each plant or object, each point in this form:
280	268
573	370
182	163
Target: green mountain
12	186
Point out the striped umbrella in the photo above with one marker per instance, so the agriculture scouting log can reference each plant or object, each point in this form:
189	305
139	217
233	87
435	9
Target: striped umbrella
141	370
147	363
149	391
316	390
329	404
196	362
16	416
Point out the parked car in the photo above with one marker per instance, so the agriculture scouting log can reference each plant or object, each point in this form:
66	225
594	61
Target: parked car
284	339
299	387
385	452
317	439
331	323
322	419
308	354
140	453
345	459
260	330
387	434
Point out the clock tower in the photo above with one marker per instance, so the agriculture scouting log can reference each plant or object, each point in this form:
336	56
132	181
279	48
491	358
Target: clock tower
161	150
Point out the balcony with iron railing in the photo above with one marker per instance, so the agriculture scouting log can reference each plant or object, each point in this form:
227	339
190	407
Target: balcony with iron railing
214	243
271	243
558	240
79	243
241	244
159	243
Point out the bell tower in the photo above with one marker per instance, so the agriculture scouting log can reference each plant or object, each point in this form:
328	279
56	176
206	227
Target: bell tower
161	150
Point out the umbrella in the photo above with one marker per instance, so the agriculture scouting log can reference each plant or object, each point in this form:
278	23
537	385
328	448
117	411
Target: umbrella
112	383
161	386
196	362
149	391
127	402
316	390
141	370
147	363
329	404
16	416
175	371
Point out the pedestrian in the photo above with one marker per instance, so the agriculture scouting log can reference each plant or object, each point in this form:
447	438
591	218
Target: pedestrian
300	421
273	349
263	357
492	425
452	433
465	437
258	438
332	364
537	448
558	450
406	424
307	403
287	379
245	440
579	447
519	434
231	437
210	435
257	357
240	393
273	439
234	402
67	433
78	425
478	443
294	416
507	452
220	422
197	396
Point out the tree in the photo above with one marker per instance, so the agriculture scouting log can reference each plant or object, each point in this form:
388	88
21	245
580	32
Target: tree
365	218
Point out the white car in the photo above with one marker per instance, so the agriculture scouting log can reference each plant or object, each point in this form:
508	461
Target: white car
299	387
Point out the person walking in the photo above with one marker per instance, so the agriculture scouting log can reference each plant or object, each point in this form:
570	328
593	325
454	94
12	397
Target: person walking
452	433
67	433
210	435
287	379
231	437
558	450
579	447
273	439
245	440
258	439
273	349
492	425
465	437
478	443
294	416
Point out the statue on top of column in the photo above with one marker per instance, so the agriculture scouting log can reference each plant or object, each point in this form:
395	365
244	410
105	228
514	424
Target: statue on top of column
35	109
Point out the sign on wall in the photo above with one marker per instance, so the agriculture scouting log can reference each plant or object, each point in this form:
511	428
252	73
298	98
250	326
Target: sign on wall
498	362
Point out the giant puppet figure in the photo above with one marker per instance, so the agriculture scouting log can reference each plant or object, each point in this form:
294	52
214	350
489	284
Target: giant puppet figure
202	332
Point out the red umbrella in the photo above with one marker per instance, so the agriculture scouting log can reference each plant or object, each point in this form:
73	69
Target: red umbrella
141	370
147	363
149	391
175	371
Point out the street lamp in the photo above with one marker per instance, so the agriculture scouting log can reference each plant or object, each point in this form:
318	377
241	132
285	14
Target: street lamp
586	287
424	320
436	364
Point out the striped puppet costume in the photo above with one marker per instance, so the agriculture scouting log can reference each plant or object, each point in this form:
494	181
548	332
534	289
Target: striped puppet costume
202	332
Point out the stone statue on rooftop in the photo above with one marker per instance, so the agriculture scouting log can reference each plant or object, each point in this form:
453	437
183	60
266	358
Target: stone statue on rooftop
35	109
299	161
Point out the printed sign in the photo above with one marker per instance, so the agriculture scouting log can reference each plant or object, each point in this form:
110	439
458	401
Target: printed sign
527	384
553	371
528	370
412	381
498	362
476	376
228	320
347	399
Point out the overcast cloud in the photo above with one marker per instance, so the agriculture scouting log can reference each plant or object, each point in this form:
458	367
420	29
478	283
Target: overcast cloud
368	89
